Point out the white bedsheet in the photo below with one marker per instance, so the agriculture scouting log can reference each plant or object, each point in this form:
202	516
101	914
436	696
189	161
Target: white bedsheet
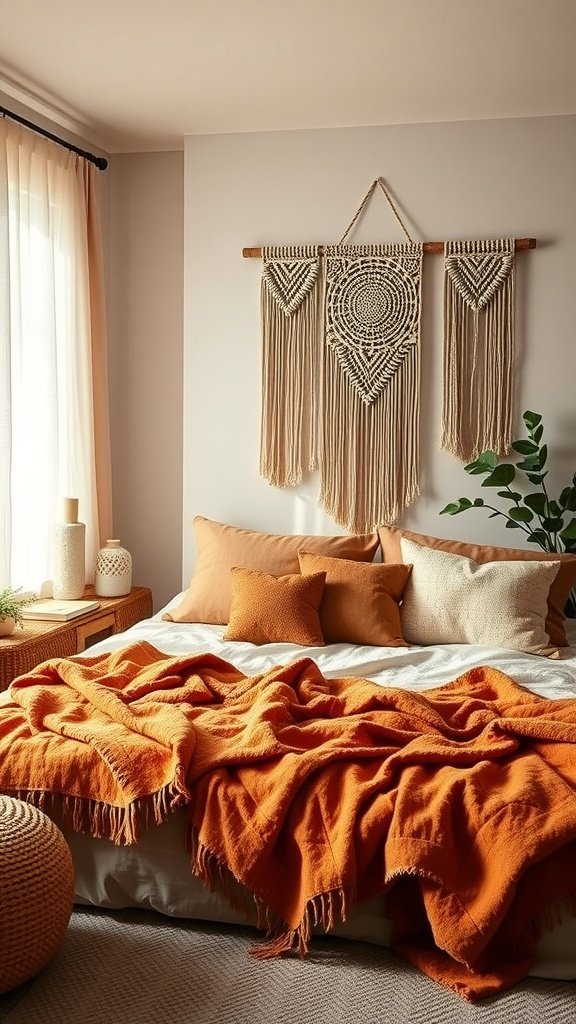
412	668
156	873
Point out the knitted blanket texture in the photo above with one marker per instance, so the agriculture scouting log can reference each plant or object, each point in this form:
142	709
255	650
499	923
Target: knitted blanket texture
307	795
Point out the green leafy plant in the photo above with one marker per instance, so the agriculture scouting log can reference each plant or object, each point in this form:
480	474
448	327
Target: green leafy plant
546	521
11	605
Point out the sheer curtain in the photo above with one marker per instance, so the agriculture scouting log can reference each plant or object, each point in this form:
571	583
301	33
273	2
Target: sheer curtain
54	437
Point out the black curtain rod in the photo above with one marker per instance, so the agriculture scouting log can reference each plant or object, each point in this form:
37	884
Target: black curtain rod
100	162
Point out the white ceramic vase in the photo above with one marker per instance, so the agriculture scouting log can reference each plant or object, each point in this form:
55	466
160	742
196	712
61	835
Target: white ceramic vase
113	577
7	626
69	554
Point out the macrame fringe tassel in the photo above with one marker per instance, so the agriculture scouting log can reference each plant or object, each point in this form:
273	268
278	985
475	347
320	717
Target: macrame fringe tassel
478	348
218	878
369	453
322	911
290	348
121	825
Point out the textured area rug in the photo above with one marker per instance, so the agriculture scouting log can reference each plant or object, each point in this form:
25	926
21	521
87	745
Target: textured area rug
135	967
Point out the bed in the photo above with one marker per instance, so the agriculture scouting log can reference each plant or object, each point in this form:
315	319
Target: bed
155	872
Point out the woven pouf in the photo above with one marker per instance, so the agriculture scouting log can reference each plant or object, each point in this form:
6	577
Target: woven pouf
36	890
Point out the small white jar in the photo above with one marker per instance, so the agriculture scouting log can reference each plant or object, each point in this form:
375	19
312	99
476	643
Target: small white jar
113	576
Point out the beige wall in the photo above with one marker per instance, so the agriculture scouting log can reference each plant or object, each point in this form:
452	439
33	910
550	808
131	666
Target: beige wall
144	276
169	216
459	180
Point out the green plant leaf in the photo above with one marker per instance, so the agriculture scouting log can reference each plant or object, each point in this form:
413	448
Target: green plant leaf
554	509
500	476
512	495
568	499
531	464
494	514
525	447
451	509
569	532
537	434
536	478
537	502
538	537
520	515
531	419
511	525
485	463
542	456
454	507
552	524
478	502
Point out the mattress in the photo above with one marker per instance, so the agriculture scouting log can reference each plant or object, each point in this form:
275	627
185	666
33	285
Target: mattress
156	873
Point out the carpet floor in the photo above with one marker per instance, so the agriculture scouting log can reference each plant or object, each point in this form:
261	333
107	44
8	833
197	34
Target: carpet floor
135	967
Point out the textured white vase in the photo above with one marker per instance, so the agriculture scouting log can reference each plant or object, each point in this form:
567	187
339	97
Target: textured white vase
7	626
113	576
69	554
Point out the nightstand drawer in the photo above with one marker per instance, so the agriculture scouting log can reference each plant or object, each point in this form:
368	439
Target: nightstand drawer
90	633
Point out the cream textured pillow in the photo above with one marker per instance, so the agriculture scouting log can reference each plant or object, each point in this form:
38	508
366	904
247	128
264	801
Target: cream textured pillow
390	537
220	547
450	599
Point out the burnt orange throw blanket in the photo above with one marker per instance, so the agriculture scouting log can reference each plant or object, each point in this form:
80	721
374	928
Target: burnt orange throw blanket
309	795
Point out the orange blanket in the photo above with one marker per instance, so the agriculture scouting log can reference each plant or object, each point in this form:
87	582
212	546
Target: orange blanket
312	795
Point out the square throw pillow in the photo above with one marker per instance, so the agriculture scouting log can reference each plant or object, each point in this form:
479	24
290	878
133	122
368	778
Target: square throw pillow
219	547
361	600
269	609
390	537
450	599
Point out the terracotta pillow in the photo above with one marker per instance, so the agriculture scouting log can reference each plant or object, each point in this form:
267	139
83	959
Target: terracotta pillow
269	609
451	599
360	602
219	547
390	537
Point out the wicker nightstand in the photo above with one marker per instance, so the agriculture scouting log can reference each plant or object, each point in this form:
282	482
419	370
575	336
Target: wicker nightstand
41	639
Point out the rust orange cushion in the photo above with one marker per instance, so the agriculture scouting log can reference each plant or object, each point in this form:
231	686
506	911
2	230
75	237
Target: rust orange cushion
219	547
269	609
361	601
390	537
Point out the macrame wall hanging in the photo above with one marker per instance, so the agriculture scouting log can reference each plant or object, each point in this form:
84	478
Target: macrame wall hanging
341	364
368	452
340	373
291	301
478	347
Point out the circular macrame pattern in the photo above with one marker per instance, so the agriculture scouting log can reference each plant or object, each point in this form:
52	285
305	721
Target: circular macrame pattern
373	301
372	317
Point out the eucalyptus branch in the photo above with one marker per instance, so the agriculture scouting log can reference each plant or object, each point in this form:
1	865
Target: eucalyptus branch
551	524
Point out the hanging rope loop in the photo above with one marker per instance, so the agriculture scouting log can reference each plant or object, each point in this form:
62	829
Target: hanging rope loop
364	204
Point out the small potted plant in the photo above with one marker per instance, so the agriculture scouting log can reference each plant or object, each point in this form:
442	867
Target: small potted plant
11	605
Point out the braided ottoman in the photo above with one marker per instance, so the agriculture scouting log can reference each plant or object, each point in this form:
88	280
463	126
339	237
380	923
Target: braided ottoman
36	890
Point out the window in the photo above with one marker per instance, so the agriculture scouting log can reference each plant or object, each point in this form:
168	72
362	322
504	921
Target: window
53	414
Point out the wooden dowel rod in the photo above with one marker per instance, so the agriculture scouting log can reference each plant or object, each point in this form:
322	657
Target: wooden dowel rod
255	251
